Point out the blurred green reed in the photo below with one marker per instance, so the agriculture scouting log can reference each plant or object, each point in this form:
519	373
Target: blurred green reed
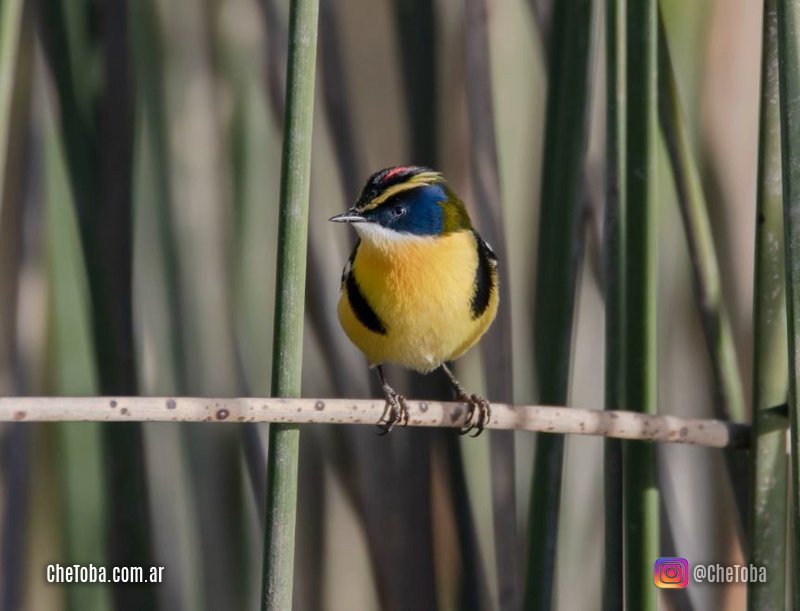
789	87
638	221
768	474
615	218
17	440
71	371
706	279
694	212
10	28
153	186
416	35
496	345
560	248
98	135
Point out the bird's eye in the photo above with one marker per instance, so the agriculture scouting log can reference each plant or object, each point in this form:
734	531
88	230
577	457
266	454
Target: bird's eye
398	211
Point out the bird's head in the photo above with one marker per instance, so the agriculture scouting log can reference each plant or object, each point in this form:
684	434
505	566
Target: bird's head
406	202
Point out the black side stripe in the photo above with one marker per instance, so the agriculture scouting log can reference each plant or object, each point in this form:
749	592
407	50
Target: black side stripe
348	268
484	279
361	308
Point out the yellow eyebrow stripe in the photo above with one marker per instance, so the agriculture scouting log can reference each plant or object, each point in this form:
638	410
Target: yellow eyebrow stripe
418	180
426	178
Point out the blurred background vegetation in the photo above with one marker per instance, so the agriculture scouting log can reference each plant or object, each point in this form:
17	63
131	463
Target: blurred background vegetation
139	169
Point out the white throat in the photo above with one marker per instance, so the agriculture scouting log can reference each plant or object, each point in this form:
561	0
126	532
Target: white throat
383	237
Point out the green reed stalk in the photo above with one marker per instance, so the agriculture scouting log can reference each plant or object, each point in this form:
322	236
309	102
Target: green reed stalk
559	250
705	267
148	49
615	267
770	366
10	28
284	440
638	373
789	86
714	318
72	371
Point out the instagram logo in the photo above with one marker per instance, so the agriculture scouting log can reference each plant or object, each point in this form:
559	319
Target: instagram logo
671	572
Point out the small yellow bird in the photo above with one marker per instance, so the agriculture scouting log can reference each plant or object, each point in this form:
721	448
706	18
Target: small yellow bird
420	287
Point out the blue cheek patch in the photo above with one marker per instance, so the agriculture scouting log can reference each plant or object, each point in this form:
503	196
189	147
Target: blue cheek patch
424	215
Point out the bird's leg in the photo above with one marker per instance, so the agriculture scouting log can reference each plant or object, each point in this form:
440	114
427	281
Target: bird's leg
479	409
396	410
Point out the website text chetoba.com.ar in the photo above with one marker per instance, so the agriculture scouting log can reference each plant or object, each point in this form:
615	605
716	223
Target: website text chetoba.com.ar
672	572
90	573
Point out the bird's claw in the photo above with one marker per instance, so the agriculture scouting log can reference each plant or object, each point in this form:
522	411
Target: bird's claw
479	414
395	412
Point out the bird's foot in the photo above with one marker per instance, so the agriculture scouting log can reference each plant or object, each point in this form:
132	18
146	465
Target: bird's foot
479	413
395	412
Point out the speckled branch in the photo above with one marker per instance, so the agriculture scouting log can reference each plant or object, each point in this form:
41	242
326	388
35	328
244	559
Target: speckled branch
540	418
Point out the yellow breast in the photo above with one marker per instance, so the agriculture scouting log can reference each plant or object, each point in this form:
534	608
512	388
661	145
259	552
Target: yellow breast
420	290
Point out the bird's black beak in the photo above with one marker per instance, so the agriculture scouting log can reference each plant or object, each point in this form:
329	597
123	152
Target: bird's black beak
351	216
